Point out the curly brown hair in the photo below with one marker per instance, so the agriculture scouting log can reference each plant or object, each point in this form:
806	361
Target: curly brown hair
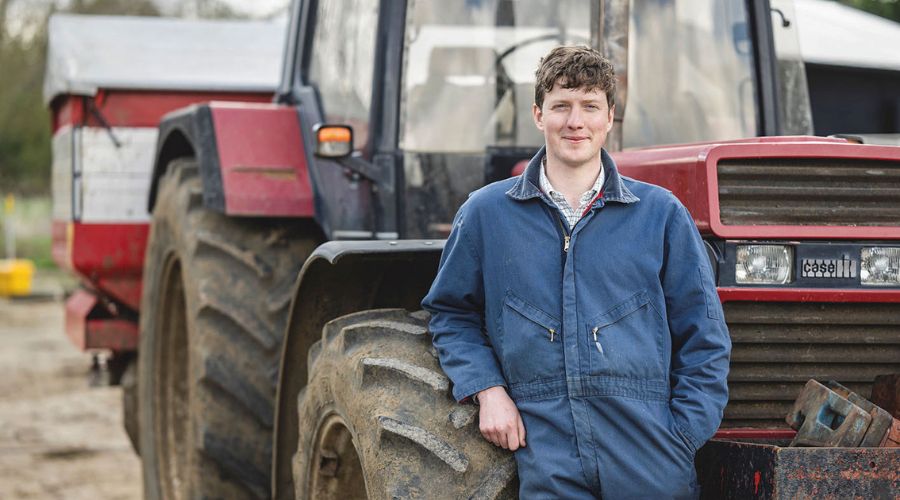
575	67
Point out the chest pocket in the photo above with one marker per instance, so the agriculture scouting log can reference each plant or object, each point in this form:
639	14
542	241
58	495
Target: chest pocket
532	346
627	340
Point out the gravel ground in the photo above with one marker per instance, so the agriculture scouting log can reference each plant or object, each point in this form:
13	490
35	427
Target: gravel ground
59	438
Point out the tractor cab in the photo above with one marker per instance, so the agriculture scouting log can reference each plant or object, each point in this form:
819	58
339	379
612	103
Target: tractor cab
449	107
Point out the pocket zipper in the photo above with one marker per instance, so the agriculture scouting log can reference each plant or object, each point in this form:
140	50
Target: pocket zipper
552	333
597	342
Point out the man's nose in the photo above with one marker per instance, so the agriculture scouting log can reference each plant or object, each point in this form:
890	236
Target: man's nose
576	118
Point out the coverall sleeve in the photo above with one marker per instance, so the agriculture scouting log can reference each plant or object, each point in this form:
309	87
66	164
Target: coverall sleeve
701	345
456	304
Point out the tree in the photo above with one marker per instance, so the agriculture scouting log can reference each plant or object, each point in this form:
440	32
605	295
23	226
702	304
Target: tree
889	9
3	5
115	7
206	9
24	125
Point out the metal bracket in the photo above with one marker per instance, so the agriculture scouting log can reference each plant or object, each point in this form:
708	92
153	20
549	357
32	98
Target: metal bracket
833	415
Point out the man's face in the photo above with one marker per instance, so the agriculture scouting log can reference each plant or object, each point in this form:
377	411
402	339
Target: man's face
575	123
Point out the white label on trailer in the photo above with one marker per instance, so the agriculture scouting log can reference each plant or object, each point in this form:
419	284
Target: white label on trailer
61	175
115	179
108	173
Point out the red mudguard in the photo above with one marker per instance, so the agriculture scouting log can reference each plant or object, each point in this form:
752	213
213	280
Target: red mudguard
262	161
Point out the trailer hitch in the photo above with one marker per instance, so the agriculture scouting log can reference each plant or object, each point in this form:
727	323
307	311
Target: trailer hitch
831	415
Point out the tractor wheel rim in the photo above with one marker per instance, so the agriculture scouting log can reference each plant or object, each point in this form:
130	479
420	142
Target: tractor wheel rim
336	471
172	387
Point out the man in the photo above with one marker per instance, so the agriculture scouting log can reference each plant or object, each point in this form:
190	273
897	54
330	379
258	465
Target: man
577	306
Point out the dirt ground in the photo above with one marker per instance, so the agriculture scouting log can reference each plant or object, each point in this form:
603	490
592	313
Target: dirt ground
59	437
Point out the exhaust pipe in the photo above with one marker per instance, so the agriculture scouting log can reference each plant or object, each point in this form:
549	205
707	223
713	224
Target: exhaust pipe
609	35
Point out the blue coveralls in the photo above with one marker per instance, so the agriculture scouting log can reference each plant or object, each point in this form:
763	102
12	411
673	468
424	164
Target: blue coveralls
621	416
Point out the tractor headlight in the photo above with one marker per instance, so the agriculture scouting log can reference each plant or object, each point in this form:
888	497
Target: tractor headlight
764	264
880	266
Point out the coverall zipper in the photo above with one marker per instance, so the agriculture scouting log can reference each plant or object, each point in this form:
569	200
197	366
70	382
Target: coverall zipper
566	237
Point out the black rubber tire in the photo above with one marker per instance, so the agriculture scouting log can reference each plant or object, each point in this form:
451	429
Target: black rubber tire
377	419
130	416
213	312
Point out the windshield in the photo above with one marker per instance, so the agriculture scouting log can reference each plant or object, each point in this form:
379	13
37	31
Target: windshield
690	73
468	77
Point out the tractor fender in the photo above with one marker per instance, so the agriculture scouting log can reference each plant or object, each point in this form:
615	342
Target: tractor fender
251	157
338	278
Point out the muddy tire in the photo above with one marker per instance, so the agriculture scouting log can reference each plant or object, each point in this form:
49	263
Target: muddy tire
213	312
130	405
377	420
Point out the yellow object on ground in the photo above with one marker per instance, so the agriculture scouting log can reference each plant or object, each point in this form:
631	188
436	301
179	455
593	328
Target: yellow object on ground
15	277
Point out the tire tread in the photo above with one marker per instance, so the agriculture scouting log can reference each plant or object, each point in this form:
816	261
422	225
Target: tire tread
375	369
233	270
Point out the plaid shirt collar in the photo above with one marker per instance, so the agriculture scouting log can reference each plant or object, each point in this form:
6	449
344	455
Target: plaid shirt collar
572	215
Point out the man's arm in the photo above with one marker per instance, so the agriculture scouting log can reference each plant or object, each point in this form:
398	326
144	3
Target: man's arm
701	345
456	304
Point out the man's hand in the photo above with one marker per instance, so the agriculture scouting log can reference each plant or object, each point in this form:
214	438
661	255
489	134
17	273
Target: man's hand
499	419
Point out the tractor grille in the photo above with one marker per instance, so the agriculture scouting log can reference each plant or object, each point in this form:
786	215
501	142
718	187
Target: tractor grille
778	346
809	191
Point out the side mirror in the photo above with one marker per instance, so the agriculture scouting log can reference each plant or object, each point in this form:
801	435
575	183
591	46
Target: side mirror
333	141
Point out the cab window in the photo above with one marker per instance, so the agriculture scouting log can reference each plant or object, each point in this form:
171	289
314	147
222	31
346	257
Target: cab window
342	60
468	74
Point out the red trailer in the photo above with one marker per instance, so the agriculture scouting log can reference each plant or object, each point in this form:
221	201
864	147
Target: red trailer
109	81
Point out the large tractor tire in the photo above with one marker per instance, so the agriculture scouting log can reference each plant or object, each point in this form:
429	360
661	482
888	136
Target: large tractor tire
377	420
213	312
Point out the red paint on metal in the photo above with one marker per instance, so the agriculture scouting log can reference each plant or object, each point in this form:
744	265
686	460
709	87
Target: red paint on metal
132	108
678	169
727	294
753	433
850	473
886	393
799	150
264	170
689	171
86	332
100	248
756	478
60	246
869	475
115	334
67	110
892	436
126	289
111	257
519	168
78	306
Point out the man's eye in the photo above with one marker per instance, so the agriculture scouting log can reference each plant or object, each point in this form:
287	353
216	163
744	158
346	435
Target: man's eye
560	106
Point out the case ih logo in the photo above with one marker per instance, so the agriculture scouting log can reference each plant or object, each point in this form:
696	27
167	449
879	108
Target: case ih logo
845	267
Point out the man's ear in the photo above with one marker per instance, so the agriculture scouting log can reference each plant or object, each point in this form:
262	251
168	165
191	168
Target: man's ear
612	117
538	116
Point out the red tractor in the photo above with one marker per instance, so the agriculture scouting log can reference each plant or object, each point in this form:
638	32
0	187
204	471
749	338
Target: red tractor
275	322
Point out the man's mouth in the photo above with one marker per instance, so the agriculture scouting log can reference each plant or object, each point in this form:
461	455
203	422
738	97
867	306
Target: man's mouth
575	139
